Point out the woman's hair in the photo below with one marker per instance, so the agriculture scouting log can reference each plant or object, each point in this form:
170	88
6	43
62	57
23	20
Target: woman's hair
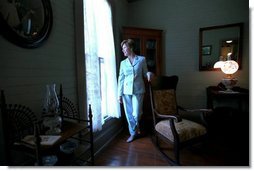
129	42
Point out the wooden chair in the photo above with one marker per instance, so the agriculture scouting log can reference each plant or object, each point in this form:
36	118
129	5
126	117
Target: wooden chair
70	112
18	121
168	125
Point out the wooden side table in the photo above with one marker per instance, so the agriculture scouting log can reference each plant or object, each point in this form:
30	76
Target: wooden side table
215	94
229	123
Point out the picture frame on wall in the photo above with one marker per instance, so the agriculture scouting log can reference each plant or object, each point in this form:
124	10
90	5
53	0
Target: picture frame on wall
207	50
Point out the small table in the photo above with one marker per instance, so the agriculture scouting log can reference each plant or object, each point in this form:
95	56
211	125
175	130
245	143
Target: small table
69	129
214	93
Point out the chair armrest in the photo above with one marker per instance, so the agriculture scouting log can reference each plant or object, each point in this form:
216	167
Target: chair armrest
194	110
175	117
199	110
203	113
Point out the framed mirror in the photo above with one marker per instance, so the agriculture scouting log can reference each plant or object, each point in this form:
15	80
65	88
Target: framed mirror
217	42
26	23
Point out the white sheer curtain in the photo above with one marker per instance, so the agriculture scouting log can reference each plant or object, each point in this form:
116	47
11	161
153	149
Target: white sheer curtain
99	42
92	65
107	51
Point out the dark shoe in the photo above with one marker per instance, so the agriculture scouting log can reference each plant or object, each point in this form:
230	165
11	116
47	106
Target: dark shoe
130	139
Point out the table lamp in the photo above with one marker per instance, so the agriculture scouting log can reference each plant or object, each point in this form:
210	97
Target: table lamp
228	67
219	63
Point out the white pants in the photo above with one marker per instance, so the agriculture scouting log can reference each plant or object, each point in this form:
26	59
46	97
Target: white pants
133	107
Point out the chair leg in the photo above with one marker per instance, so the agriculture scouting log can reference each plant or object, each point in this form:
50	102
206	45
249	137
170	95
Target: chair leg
175	161
177	154
156	140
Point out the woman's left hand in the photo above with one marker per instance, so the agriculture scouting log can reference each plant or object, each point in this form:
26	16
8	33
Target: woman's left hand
149	76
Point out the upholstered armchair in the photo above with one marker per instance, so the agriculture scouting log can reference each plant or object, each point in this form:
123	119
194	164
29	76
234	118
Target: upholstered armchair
169	125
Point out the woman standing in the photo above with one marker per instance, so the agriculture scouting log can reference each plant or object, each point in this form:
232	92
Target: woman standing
131	86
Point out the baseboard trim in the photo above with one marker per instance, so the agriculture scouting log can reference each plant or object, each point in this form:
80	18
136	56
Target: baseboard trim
109	131
108	142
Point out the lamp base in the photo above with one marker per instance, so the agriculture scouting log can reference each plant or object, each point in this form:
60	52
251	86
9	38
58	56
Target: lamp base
229	92
229	83
54	123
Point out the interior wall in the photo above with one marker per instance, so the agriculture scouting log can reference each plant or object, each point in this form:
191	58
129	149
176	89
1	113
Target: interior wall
24	73
119	16
180	21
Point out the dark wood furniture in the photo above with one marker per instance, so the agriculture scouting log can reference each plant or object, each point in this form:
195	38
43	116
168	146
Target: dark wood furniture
69	130
74	130
19	121
230	120
83	127
238	100
168	123
148	43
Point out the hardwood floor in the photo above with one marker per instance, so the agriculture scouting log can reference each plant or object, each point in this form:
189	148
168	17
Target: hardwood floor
142	152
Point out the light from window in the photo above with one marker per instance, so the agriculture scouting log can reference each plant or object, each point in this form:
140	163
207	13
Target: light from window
100	61
103	88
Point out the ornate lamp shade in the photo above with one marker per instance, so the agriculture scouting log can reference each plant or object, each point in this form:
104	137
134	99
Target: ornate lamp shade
218	64
229	67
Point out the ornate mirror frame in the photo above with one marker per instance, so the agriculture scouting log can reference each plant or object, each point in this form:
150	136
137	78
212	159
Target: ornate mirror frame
26	23
213	46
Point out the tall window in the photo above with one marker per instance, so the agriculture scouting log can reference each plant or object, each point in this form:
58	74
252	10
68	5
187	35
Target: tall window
103	88
100	61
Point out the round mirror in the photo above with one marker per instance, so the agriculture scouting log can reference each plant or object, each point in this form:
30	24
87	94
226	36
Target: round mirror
26	23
